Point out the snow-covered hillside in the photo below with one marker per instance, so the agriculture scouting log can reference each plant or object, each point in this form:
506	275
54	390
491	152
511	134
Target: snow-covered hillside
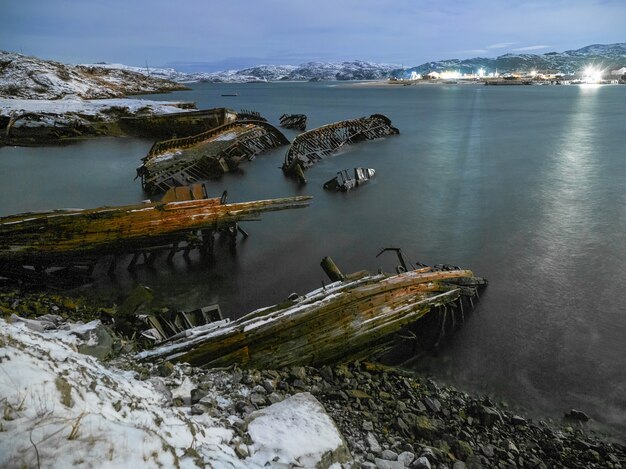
355	70
32	78
605	56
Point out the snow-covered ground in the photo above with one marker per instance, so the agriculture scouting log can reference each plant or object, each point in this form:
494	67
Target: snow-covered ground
61	408
87	107
32	78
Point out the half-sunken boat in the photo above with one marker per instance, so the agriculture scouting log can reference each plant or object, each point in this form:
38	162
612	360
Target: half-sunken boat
208	155
314	145
344	181
186	218
293	121
356	317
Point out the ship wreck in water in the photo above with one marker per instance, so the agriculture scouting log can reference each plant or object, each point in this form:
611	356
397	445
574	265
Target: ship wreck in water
208	155
65	243
360	316
344	181
310	147
293	121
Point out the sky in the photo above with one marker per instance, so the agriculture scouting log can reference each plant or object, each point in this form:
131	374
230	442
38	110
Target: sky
211	35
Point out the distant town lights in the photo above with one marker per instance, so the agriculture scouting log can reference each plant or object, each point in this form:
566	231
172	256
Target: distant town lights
592	75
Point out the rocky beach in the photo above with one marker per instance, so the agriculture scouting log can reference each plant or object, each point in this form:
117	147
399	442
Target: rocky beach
354	415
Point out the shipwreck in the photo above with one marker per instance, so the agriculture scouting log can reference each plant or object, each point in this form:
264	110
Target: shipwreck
358	316
316	144
344	181
293	121
208	155
62	243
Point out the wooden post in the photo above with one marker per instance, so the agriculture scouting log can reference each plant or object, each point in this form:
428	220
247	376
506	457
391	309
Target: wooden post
331	269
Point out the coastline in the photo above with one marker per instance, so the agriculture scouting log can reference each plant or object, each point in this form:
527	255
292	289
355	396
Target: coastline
387	416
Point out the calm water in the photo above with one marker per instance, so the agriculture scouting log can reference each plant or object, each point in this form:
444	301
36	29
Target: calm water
524	185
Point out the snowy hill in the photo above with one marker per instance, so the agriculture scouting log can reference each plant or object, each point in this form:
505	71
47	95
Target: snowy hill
311	71
32	78
606	56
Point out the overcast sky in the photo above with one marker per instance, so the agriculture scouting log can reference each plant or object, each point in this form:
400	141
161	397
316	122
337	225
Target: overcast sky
220	34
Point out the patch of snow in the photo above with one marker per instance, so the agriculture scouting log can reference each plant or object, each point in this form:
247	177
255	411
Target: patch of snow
296	431
64	409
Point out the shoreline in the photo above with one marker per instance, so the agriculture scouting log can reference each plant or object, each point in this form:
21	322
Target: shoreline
389	417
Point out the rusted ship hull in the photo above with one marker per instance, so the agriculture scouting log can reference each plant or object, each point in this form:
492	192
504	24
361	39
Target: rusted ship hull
346	320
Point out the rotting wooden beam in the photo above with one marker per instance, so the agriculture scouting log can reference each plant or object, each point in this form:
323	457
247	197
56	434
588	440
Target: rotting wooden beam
49	237
293	121
316	144
346	320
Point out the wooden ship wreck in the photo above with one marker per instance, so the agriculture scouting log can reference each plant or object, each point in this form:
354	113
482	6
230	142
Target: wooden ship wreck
344	181
183	161
316	144
293	121
355	317
70	242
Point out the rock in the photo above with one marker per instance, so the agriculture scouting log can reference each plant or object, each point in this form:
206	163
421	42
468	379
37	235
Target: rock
432	404
577	415
257	399
459	465
423	427
488	415
297	429
326	373
389	455
372	444
165	369
274	398
99	344
488	450
198	409
422	463
197	394
462	449
517	420
298	372
269	386
358	394
406	458
258	389
386	464
367	426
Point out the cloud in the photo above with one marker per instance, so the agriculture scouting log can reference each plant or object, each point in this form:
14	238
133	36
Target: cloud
521	49
500	45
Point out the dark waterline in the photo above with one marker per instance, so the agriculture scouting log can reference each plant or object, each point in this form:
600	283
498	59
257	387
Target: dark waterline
523	185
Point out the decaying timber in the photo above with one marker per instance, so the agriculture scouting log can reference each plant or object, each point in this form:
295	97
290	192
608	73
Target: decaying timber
247	115
180	124
344	182
182	161
356	317
186	219
312	146
293	121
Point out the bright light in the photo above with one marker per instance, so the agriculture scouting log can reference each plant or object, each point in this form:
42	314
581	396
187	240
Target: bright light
592	75
533	73
448	75
481	72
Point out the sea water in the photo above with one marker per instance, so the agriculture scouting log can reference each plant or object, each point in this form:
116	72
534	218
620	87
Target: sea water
524	185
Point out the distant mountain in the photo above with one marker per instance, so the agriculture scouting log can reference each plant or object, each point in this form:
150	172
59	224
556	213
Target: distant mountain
311	71
605	56
32	78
